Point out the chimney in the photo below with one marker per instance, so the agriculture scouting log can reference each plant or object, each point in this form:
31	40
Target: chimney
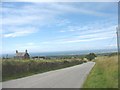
16	51
26	51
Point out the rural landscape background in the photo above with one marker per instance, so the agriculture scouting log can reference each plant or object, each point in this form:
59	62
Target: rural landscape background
38	37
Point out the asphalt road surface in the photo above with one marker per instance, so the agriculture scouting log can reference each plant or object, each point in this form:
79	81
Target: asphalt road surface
71	77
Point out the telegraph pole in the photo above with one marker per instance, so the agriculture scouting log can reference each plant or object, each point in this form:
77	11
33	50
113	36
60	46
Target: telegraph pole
118	45
118	39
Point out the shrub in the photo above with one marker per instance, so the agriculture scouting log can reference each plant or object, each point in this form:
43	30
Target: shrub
66	61
91	56
19	68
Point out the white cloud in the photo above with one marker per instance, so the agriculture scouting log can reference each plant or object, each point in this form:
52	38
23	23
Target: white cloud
76	40
41	14
71	8
26	19
29	46
91	28
18	20
62	22
113	45
93	34
19	32
30	43
86	40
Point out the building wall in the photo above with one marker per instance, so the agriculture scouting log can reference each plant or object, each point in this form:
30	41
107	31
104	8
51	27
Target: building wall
19	57
26	56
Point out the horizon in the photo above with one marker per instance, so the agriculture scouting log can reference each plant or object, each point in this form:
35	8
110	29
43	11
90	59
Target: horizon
53	26
59	53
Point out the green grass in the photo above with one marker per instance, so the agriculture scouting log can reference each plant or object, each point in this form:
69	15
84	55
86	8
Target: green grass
13	69
0	70
104	74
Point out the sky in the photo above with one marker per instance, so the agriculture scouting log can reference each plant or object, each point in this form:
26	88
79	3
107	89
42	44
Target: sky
58	26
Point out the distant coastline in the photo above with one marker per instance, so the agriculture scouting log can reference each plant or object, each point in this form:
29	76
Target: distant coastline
61	53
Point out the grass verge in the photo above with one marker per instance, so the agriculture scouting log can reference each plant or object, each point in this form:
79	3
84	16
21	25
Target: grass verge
104	74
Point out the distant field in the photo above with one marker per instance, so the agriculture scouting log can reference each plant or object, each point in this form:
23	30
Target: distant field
104	73
13	69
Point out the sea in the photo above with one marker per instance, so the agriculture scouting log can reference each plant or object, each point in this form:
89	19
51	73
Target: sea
63	53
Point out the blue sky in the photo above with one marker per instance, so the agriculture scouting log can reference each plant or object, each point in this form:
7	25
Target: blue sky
58	26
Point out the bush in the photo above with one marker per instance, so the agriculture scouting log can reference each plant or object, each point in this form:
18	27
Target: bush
19	68
66	61
91	56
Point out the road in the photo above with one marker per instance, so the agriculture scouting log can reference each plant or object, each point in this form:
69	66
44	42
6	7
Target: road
71	77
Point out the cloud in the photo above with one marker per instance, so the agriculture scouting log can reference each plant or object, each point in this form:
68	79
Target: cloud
25	16
60	24
113	45
41	12
86	40
28	45
19	32
39	15
17	20
90	33
76	40
82	9
91	28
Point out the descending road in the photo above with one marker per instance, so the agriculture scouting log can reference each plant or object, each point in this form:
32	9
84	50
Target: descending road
72	77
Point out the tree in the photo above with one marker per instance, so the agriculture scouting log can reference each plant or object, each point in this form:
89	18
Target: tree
90	56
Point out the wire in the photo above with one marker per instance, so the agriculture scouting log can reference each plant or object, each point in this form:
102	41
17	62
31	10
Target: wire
111	42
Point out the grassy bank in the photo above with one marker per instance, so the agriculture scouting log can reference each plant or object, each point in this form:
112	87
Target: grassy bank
104	73
12	69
